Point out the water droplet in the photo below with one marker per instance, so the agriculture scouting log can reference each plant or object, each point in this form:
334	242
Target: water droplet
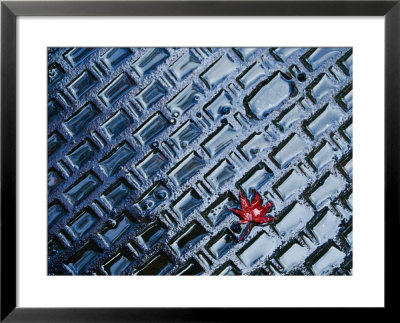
172	120
225	110
184	144
147	204
224	121
154	144
302	77
176	114
111	223
235	227
161	195
198	115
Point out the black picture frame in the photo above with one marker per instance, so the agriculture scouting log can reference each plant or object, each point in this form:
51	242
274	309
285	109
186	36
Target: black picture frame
10	10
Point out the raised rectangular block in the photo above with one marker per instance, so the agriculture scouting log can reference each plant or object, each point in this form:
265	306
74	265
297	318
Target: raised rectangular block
348	132
152	234
186	203
348	167
218	71
257	248
116	124
150	60
80	261
122	224
82	84
293	256
55	212
345	98
245	52
82	188
54	143
191	268
220	174
255	179
346	62
290	150
77	55
221	243
186	134
152	163
218	211
332	258
187	238
219	106
251	75
116	194
115	57
116	89
326	189
186	168
82	153
283	53
117	264
295	219
219	139
324	119
184	100
320	88
326	227
82	118
151	94
54	110
289	117
83	223
184	65
316	57
322	157
228	269
291	184
117	158
269	95
158	265
152	198
53	179
152	127
253	145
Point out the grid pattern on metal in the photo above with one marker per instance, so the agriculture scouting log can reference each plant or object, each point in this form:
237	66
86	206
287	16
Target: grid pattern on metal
149	147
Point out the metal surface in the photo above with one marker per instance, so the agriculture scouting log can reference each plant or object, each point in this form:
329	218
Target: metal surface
148	148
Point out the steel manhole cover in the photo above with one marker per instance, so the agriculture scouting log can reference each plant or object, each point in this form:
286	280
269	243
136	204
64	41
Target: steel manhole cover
148	149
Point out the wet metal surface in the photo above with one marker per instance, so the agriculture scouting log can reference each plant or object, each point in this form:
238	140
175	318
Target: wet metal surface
149	147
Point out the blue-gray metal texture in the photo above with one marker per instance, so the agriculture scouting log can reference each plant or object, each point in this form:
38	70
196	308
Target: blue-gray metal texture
149	147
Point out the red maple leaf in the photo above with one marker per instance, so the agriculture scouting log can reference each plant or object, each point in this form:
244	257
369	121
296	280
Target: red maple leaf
252	213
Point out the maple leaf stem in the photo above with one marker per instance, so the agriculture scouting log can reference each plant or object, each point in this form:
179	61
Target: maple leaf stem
246	231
